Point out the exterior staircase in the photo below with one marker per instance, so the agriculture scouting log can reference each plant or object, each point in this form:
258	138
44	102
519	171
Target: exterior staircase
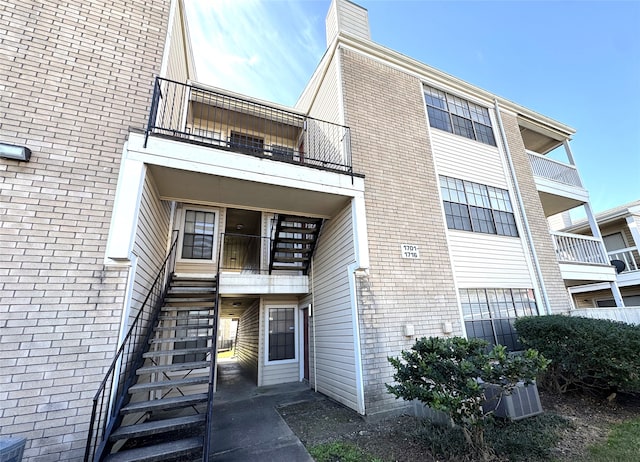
294	243
165	417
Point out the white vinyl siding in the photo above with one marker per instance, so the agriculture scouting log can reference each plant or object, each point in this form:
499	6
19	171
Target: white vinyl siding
353	19
247	339
335	356
485	260
459	157
325	106
150	245
177	57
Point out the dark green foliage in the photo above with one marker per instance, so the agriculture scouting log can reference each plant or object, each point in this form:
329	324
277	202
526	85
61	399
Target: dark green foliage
587	354
447	374
524	440
340	452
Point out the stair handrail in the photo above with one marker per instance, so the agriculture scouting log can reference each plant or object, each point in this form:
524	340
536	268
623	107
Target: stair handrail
206	444
112	392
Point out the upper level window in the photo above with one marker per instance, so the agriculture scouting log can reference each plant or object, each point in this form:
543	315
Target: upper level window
470	206
459	116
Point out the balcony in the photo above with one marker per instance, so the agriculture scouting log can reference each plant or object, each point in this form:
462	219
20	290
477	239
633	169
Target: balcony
582	259
628	256
558	183
195	114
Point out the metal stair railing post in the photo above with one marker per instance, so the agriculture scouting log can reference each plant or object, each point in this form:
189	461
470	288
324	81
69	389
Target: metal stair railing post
206	447
106	407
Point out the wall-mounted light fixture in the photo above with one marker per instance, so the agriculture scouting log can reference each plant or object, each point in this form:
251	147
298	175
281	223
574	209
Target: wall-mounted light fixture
11	151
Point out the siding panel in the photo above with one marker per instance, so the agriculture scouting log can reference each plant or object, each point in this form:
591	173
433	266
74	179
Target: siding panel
334	354
487	260
247	340
470	160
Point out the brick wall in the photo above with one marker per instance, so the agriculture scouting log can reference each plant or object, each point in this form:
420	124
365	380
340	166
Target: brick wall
390	145
554	284
75	75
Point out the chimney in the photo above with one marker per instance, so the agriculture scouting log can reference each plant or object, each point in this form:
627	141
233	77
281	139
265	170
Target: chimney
345	16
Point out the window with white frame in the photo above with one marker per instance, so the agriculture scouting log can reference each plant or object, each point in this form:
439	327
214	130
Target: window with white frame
489	314
281	329
456	115
470	206
198	235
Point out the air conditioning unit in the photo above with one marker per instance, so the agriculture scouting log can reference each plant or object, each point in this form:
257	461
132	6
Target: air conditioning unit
522	402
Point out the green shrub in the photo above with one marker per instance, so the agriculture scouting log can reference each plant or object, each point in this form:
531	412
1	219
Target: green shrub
594	354
447	374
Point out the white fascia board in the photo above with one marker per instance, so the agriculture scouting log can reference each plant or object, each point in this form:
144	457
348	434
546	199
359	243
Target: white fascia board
126	205
424	71
264	284
209	160
587	272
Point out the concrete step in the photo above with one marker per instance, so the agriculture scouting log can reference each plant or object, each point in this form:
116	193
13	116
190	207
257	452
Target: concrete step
157	426
164	384
183	351
173	450
165	404
172	367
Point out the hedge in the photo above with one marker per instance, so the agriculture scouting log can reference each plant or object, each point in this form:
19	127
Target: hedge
587	354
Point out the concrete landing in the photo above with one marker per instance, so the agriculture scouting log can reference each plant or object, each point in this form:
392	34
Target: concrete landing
247	426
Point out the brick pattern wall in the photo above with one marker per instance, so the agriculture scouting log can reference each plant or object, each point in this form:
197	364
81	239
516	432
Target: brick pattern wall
556	290
384	109
75	75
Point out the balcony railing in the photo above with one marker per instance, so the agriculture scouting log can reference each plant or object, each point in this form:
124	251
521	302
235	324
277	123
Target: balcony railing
200	115
629	256
553	170
574	248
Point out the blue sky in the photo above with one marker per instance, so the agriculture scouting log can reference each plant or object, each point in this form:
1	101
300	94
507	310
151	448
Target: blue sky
576	61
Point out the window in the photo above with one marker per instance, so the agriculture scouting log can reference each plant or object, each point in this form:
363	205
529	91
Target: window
281	152
282	334
476	207
246	143
198	235
456	115
489	314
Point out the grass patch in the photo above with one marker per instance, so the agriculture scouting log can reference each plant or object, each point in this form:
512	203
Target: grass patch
340	452
623	443
523	440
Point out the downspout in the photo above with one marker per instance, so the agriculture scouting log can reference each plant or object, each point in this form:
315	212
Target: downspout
523	212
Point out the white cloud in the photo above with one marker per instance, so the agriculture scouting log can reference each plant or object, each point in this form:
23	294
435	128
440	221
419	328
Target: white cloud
267	49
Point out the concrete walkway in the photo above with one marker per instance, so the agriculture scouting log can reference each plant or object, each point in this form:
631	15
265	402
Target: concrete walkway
247	427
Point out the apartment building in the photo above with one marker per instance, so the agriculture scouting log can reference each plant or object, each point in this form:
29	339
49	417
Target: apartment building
392	202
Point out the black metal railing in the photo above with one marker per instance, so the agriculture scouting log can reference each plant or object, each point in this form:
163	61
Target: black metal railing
112	393
200	115
208	430
243	253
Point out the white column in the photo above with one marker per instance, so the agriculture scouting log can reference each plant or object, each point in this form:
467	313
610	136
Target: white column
617	296
124	217
634	227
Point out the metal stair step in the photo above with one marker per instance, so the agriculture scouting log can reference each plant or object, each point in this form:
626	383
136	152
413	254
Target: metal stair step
157	426
185	281
289	260
168	384
291	240
190	317
289	219
157	341
190	290
165	403
287	267
172	367
183	351
184	326
159	452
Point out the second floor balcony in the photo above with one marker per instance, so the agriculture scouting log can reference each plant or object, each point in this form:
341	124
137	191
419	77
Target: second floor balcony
558	183
225	121
582	259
